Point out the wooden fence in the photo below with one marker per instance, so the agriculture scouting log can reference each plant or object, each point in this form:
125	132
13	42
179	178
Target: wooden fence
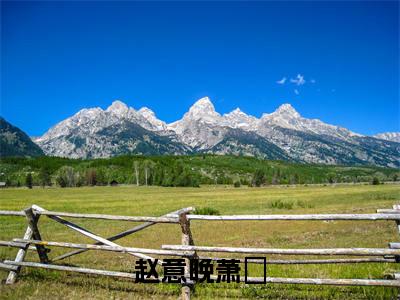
32	241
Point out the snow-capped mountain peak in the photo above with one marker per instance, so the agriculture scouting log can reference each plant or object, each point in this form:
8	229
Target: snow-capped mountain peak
204	102
118	108
146	112
119	129
202	107
203	110
287	117
150	116
237	111
238	119
287	110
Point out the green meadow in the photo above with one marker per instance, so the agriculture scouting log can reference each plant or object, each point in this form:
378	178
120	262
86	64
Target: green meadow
156	201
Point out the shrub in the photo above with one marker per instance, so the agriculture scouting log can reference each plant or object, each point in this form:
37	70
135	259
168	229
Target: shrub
304	204
29	180
375	181
278	204
207	211
236	184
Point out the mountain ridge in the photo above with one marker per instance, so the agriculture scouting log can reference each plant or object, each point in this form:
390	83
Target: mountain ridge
15	142
203	129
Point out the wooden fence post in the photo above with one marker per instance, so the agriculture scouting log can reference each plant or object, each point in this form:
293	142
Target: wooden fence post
187	240
32	231
32	222
397	258
12	276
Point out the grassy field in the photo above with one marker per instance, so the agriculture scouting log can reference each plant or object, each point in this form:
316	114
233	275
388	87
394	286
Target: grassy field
155	201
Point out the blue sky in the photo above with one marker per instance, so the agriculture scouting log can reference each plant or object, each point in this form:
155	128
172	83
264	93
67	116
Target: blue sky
59	57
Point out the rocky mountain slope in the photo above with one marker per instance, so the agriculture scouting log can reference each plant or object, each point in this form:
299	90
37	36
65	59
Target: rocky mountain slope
389	136
283	134
14	142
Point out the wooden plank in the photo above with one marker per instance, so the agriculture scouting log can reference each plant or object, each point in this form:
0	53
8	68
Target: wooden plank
13	244
187	240
310	261
12	213
72	269
350	217
32	223
324	281
102	247
21	243
312	281
388	211
12	276
329	251
124	233
394	245
90	234
8	267
110	217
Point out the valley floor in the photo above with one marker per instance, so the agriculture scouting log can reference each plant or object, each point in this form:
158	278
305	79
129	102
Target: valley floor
156	201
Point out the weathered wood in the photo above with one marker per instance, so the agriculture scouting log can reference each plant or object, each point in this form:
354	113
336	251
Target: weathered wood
19	242
323	281
388	211
12	213
394	245
187	240
350	217
72	269
124	233
111	217
309	261
32	223
8	267
13	244
187	249
340	282
12	276
89	234
329	251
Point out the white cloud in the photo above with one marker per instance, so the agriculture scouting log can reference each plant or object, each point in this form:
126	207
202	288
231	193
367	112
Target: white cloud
313	81
282	81
296	91
299	80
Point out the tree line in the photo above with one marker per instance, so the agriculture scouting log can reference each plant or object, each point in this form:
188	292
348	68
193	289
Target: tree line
170	171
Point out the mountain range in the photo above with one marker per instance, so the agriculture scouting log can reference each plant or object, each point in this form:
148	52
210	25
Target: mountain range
283	134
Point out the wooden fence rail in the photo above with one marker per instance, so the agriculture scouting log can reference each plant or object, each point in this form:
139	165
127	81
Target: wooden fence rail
32	240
